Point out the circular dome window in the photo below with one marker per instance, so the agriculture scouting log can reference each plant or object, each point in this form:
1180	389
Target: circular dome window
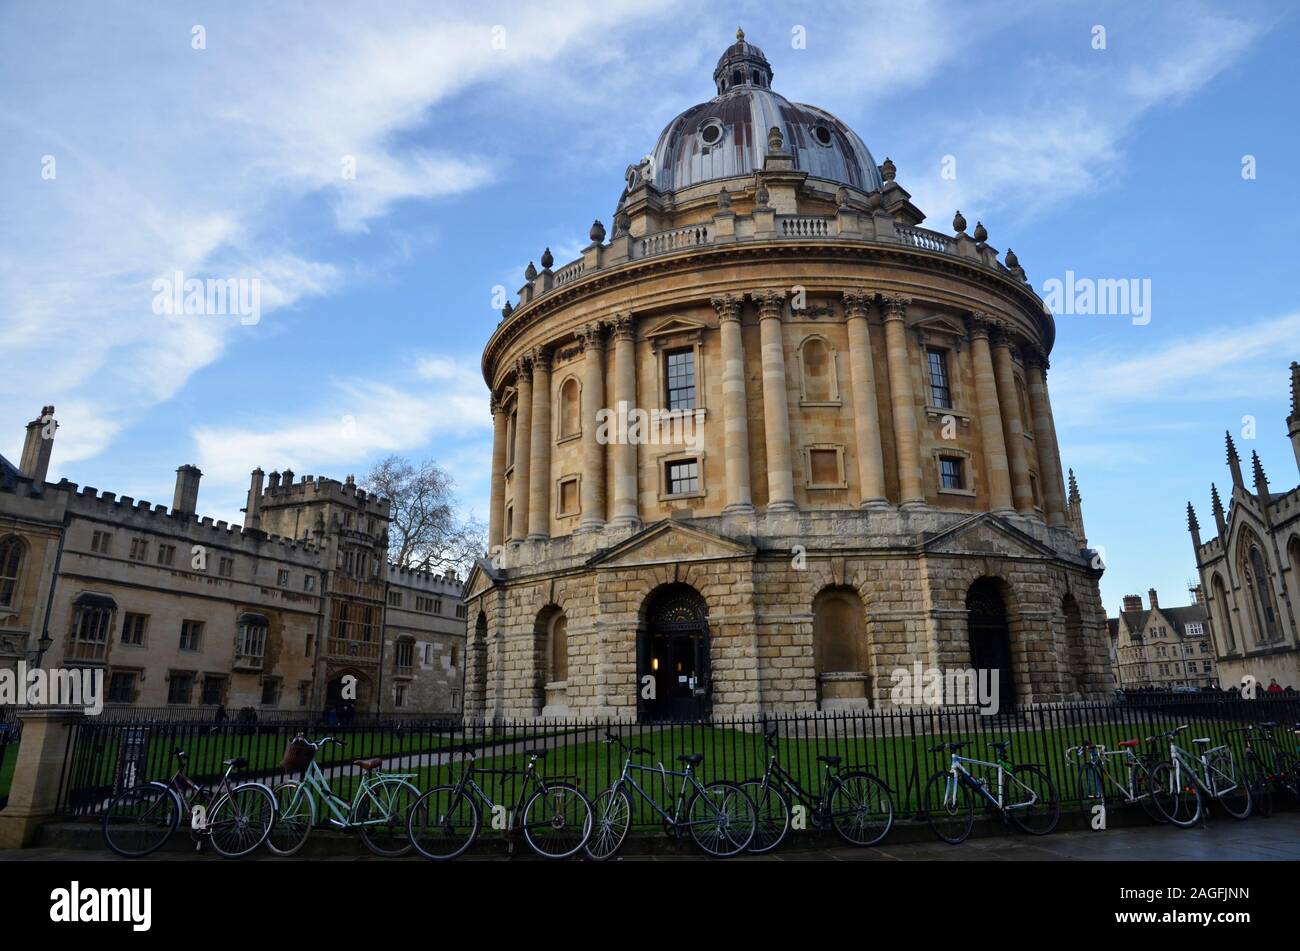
822	134
711	133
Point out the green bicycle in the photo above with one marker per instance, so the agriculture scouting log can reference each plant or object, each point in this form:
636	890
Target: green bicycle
1022	793
378	811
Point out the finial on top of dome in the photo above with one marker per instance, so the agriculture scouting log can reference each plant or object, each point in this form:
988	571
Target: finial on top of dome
981	233
958	222
740	35
775	140
888	169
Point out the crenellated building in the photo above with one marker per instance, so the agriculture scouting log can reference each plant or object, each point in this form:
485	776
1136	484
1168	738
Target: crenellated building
180	610
769	440
1250	570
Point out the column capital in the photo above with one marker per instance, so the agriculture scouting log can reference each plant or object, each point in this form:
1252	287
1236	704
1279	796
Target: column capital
771	302
727	306
624	325
591	336
541	358
857	303
524	365
1035	358
895	306
983	325
495	404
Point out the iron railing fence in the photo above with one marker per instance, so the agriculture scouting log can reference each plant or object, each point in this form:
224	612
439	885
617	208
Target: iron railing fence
893	744
208	714
11	730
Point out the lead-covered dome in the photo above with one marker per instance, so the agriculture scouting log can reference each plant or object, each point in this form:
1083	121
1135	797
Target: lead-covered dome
727	136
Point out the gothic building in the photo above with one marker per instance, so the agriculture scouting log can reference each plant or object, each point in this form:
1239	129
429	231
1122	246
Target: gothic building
1163	648
1249	570
182	611
769	440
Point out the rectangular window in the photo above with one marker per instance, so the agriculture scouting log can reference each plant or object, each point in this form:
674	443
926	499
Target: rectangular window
270	692
679	382
952	472
683	477
437	605
304	692
940	393
455	700
568	500
191	635
394	599
166	554
405	655
824	467
133	627
226	567
139	549
214	690
510	521
121	687
462	611
180	686
90	625
250	643
309	583
101	542
282	577
399	697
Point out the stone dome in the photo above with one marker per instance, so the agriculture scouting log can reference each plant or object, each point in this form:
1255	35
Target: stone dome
726	137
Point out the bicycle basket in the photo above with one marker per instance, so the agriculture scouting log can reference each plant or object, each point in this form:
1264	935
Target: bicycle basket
297	756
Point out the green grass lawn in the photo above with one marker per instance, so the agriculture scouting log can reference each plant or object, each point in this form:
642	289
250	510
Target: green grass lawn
7	760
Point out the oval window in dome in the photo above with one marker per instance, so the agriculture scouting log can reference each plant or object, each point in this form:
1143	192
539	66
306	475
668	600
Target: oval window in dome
822	134
711	133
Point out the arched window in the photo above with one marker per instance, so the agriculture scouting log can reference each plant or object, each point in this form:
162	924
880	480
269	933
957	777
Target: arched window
817	360
11	562
1025	418
839	649
1220	592
1261	590
570	409
558	649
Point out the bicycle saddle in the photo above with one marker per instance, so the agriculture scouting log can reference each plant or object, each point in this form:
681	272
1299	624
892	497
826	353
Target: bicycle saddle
368	764
1129	743
1202	741
694	759
1267	724
949	747
539	753
237	763
830	760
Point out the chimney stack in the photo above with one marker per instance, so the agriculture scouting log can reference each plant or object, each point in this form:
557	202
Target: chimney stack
253	511
35	460
1155	602
1132	602
186	499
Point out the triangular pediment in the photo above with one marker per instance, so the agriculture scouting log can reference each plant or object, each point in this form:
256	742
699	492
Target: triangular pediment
986	534
674	325
941	325
668	542
480	579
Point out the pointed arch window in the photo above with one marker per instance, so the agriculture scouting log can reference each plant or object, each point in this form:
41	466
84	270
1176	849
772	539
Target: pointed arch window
11	563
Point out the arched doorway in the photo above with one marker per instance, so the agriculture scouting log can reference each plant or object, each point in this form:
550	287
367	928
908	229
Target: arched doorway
673	651
990	637
839	642
346	693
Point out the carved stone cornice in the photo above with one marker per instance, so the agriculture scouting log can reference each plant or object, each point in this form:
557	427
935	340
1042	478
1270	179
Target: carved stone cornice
727	306
591	336
983	325
771	303
858	303
624	325
524	365
895	306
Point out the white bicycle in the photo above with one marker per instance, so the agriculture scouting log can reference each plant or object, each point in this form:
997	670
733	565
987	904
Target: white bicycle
1182	785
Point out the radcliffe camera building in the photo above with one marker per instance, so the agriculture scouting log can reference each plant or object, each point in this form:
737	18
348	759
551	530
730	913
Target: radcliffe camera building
182	611
1249	570
875	480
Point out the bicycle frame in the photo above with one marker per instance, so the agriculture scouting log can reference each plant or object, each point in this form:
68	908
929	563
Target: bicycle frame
532	781
959	773
1185	760
688	779
343	814
1099	757
817	803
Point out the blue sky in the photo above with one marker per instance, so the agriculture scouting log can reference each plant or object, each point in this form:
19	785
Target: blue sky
377	290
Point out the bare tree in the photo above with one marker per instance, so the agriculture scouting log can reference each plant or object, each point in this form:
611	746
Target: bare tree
426	532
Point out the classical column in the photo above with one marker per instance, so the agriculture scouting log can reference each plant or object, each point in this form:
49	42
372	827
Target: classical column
539	472
523	442
996	469
592	339
907	441
497	513
735	413
1049	467
776	410
626	512
866	412
1004	369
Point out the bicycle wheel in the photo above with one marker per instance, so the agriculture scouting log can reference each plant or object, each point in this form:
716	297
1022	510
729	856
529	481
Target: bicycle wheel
721	818
1176	796
611	818
1260	786
862	810
1142	792
1228	784
557	821
382	813
240	820
1289	776
949	807
295	817
772	815
1043	810
443	823
139	820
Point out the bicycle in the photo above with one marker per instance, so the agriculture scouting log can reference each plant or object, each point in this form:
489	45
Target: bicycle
1266	762
719	816
137	821
378	811
1095	773
556	818
1180	783
856	804
1024	794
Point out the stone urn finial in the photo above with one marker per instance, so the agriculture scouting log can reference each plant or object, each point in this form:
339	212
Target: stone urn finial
842	197
775	140
597	232
959	222
888	169
981	233
761	195
1013	261
530	272
507	310
547	259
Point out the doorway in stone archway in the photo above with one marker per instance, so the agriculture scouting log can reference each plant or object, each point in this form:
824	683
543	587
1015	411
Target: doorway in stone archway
673	675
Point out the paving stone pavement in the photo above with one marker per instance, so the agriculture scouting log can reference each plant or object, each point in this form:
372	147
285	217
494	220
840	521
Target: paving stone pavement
1276	838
